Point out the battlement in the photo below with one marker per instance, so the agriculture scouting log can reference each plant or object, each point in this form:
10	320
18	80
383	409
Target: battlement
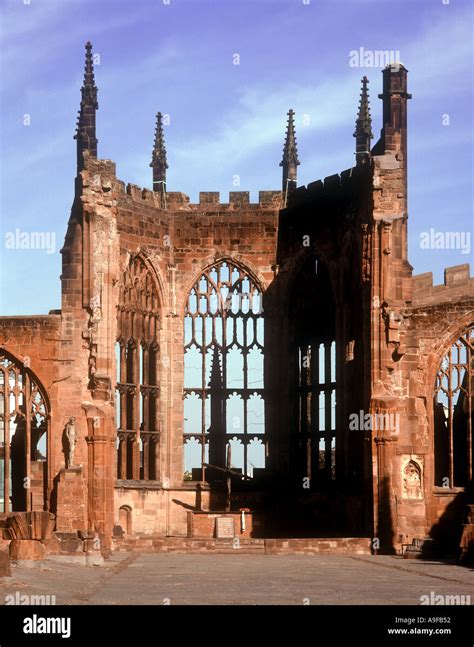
458	284
100	172
327	187
208	200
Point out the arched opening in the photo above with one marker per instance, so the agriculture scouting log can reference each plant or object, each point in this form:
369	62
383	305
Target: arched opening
223	373
453	414
312	320
137	389
24	416
125	518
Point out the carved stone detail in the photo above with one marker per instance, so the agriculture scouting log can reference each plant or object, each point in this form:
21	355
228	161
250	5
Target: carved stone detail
412	479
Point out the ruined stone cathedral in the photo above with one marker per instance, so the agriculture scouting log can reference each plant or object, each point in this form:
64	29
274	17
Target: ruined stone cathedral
269	371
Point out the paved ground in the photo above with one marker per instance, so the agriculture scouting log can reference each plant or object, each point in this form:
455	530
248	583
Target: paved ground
132	578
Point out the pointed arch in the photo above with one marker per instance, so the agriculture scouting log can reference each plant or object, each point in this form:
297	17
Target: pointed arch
24	421
211	261
223	365
137	355
453	412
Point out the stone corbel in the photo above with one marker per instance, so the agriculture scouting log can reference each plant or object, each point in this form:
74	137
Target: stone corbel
101	387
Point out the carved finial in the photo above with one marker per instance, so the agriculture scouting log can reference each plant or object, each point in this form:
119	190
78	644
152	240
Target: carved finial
89	89
85	128
159	149
363	130
158	161
290	160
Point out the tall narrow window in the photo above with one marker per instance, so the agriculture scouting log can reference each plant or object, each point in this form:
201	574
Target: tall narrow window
23	438
312	317
137	390
223	373
453	414
317	410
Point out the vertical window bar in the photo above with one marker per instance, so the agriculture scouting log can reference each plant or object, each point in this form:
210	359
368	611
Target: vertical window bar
327	412
450	420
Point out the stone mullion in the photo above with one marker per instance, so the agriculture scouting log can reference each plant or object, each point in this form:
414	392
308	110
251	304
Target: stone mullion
469	395
450	421
224	367
309	408
28	402
203	396
327	409
122	391
136	412
341	389
146	457
303	390
123	408
6	473
315	431
154	457
122	457
146	394
245	396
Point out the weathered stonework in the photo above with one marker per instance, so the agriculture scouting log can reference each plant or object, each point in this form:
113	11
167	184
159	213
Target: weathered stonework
391	331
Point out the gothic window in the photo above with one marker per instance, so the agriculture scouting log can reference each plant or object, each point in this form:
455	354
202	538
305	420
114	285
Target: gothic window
453	414
317	406
137	391
312	319
23	437
223	373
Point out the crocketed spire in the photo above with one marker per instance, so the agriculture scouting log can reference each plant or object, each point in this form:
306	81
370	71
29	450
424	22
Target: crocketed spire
158	159
363	130
86	121
290	160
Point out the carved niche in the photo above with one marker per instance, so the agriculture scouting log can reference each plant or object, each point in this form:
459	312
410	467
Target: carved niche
412	479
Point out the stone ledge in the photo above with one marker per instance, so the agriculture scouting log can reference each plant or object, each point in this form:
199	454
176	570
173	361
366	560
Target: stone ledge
307	546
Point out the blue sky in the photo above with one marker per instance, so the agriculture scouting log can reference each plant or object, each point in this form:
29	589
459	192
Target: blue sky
225	119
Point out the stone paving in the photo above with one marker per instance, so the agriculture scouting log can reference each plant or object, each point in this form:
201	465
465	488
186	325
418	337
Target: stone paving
135	578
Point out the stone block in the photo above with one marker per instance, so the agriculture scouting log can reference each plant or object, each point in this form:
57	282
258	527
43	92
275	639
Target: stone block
27	549
4	564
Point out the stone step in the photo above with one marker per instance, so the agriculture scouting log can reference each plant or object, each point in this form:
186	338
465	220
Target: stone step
311	546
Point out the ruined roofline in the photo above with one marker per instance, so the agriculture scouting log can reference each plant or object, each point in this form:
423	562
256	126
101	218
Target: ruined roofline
458	282
208	200
394	121
327	186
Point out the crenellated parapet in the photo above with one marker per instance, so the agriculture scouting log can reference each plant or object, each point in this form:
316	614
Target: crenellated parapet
458	285
209	201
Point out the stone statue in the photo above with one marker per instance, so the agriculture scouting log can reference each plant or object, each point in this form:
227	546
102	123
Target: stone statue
412	481
71	437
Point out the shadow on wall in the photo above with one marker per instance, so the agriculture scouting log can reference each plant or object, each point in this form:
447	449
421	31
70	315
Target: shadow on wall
385	525
448	530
